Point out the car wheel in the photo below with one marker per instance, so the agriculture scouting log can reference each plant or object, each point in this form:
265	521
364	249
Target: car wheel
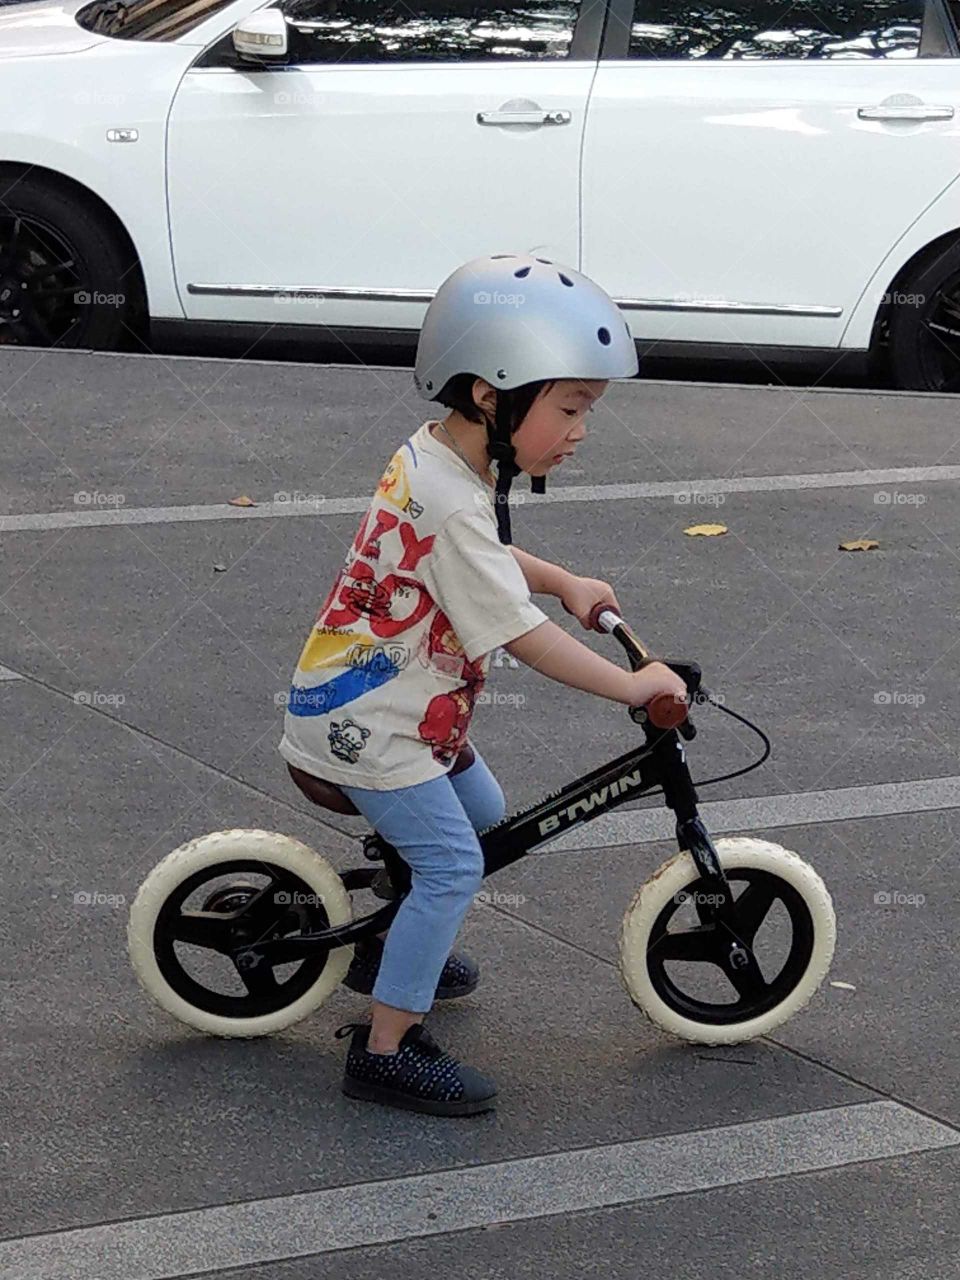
924	326
64	281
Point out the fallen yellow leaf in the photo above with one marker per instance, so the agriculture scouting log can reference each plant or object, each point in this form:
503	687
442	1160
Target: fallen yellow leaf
705	530
859	544
242	501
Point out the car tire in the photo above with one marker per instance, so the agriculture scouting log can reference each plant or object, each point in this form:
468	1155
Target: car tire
65	275
924	325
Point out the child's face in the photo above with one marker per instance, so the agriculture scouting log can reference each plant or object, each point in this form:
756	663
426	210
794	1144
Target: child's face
554	424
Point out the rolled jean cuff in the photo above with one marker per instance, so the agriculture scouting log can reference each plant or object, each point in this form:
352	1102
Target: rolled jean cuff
405	999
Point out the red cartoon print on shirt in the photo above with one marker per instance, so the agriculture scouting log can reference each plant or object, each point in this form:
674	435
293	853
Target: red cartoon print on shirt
440	648
446	721
391	604
447	717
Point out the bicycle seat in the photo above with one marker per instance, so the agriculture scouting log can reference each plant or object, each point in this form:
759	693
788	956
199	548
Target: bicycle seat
329	796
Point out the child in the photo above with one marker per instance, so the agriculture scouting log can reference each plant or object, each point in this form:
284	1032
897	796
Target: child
386	682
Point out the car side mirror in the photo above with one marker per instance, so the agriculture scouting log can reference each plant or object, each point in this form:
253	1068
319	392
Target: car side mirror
262	36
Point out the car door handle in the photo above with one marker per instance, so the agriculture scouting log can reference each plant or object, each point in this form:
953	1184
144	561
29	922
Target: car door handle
920	111
524	117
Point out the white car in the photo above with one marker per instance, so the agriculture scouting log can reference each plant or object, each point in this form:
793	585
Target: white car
769	178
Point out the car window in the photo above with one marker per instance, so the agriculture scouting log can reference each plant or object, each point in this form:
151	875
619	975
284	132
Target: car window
146	19
445	31
741	29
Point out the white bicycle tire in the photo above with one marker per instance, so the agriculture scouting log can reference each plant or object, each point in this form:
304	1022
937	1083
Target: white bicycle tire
676	875
227	846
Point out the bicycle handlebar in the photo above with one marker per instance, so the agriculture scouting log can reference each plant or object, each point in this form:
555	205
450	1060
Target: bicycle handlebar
663	711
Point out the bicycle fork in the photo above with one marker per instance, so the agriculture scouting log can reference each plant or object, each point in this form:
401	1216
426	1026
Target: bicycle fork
713	898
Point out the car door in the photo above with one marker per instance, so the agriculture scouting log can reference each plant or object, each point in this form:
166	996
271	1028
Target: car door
400	141
747	168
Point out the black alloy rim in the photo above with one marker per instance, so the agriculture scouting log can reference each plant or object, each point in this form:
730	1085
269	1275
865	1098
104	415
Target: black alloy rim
732	951
939	338
45	291
234	917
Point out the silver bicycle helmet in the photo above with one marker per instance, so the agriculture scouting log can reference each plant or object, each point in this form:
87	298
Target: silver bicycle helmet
511	319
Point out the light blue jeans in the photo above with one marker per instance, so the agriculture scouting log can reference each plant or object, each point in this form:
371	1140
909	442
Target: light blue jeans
434	826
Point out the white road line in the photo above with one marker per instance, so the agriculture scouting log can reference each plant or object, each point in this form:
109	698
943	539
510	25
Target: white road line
296	1226
80	519
763	812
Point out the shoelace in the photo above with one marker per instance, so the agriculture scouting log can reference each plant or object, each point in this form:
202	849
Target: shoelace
424	1040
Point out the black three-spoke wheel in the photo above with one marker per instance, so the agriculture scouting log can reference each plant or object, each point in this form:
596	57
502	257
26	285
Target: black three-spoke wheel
721	982
197	914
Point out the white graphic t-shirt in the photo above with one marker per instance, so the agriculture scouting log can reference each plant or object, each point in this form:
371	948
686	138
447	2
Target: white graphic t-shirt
385	685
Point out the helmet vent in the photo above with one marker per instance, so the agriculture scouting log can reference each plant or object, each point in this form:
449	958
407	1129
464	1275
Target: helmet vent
604	336
545	260
522	273
564	280
495	256
501	373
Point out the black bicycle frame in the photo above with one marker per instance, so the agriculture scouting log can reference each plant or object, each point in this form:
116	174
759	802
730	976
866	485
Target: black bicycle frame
660	762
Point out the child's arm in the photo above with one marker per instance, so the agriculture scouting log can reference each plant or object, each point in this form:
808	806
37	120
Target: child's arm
578	595
554	653
543	578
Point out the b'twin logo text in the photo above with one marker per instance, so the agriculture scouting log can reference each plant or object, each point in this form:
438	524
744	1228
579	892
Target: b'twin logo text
587	804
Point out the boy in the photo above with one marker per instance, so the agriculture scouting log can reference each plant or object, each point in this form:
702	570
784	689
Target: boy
386	683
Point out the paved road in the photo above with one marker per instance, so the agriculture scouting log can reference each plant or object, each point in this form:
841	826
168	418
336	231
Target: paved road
133	1148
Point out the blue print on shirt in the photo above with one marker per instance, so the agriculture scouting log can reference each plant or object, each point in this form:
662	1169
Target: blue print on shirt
346	687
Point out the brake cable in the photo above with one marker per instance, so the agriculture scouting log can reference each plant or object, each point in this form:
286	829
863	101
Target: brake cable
700	697
703	696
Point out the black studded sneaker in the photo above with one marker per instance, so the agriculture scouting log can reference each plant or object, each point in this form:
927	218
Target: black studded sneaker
459	976
418	1077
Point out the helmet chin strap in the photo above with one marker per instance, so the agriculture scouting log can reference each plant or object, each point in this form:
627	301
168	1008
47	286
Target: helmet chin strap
501	450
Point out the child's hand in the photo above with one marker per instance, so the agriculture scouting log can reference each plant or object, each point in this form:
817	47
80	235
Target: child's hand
656	678
579	595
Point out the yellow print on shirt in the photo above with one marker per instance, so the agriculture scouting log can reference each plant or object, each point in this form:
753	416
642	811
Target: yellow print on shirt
394	487
325	648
